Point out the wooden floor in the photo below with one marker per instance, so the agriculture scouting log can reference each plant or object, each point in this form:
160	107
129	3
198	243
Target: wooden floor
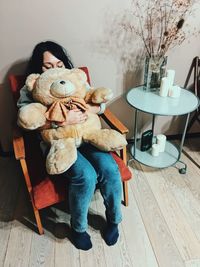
161	225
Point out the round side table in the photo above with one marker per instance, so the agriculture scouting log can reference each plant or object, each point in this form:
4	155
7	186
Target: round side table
153	103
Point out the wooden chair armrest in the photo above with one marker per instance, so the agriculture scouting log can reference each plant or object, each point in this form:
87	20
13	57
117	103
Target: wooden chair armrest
114	122
18	143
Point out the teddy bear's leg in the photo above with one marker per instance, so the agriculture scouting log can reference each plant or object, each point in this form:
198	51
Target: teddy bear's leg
62	155
106	139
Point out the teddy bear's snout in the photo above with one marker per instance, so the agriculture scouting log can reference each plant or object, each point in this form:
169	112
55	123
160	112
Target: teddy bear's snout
62	82
62	88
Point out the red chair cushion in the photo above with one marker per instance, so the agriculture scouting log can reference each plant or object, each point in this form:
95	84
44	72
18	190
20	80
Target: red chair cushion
49	192
124	170
46	190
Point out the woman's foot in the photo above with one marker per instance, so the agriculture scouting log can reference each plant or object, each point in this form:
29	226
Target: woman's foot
81	240
111	234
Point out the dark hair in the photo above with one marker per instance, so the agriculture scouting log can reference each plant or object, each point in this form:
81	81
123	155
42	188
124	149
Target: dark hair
36	60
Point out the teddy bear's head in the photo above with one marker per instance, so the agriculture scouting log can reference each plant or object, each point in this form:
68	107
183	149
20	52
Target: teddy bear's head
56	84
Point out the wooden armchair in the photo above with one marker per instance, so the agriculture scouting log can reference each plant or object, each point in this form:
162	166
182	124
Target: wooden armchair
45	190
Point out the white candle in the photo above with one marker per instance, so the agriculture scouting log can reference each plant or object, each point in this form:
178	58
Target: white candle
175	91
161	141
164	87
170	76
155	150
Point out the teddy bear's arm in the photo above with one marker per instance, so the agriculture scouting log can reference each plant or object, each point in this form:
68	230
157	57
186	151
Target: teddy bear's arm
99	95
88	96
32	116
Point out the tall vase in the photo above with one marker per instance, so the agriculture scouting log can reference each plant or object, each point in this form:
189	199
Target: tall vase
155	70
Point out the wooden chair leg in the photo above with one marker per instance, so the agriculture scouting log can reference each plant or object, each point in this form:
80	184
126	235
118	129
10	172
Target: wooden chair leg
38	221
123	155
125	193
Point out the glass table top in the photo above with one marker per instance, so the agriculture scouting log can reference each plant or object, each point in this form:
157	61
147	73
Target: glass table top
152	102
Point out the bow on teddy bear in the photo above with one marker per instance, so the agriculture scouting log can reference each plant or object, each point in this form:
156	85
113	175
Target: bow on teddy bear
58	110
55	92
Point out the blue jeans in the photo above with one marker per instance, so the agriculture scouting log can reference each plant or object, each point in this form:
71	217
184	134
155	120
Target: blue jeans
93	167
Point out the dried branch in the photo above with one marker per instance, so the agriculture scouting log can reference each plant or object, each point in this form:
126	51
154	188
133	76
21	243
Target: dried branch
160	23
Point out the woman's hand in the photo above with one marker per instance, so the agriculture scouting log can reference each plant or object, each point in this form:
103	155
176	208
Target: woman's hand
94	108
47	125
74	116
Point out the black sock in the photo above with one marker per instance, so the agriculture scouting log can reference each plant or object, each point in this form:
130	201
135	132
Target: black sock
81	240
111	234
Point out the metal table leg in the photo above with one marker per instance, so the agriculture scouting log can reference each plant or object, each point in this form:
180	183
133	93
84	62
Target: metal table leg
135	132
183	170
153	123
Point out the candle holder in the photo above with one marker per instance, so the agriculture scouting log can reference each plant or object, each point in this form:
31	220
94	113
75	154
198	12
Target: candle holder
161	141
155	150
175	91
164	87
170	76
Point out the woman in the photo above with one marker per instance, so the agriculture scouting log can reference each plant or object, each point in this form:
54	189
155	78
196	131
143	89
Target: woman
92	166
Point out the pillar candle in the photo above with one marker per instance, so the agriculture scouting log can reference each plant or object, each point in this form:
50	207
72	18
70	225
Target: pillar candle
170	76
155	150
175	91
161	141
164	87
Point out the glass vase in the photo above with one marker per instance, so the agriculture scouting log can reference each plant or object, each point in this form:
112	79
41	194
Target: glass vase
155	70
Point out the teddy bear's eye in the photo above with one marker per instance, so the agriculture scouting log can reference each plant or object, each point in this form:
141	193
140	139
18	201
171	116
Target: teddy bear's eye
62	82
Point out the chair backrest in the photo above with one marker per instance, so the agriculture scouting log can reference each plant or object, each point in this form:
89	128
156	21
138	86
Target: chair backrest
197	77
17	82
195	68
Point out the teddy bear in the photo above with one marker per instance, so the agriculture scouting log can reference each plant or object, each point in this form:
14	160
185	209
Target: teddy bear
55	92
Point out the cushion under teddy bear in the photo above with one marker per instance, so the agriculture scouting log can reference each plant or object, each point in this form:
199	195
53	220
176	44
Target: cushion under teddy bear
55	92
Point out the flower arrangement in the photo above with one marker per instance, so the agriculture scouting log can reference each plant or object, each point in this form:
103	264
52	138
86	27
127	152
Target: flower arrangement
161	24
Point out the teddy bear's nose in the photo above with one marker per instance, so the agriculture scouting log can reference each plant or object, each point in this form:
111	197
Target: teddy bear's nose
62	88
62	82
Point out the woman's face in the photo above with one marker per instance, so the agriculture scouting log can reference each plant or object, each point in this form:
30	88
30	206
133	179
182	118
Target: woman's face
50	62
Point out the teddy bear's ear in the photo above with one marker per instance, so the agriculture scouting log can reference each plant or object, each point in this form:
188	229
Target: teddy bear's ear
30	81
80	73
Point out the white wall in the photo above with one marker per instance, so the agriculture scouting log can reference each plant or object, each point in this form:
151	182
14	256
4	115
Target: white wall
89	31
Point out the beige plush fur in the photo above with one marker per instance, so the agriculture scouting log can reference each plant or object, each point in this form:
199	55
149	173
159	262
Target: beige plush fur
55	92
